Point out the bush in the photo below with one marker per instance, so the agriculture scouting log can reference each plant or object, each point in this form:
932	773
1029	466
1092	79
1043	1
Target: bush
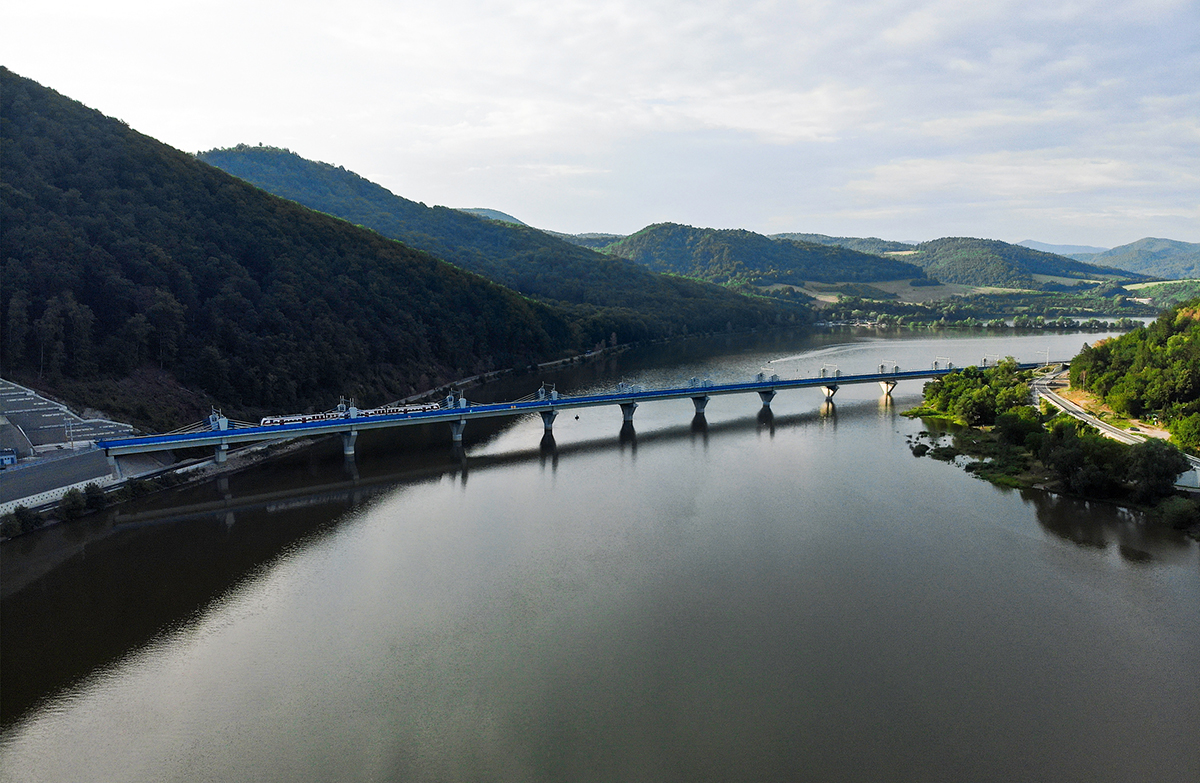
27	519
1178	512
72	505
94	497
1153	467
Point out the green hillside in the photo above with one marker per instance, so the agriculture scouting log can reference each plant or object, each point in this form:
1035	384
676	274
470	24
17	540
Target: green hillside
737	257
1151	370
861	244
603	294
989	262
139	278
1150	256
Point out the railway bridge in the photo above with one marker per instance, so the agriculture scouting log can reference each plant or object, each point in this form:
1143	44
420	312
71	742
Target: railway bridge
219	433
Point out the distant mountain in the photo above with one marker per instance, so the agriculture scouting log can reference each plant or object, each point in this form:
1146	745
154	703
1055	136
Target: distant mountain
491	214
593	241
603	293
733	256
989	262
143	281
862	245
1062	250
1157	257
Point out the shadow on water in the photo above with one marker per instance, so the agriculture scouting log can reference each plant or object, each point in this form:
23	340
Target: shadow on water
766	419
1099	526
83	596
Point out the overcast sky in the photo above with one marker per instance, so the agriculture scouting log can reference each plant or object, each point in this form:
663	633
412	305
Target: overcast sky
1065	122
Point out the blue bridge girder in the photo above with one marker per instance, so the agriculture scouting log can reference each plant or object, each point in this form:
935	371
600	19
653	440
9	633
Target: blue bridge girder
458	416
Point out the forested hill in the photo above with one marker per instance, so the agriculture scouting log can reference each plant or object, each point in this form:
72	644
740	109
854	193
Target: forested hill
861	244
731	257
1154	369
603	293
129	265
989	262
1150	256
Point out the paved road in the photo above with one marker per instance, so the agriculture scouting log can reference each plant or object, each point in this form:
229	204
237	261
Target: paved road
16	483
1041	388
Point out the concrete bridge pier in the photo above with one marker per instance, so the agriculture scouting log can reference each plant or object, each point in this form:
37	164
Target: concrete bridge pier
220	453
348	439
548	418
766	397
887	387
829	391
627	409
456	430
700	403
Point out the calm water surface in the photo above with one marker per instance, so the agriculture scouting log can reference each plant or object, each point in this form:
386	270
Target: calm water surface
741	597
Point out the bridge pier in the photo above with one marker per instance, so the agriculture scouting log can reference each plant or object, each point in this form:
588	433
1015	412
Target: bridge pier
220	453
766	397
548	418
829	390
456	430
887	387
348	439
627	409
700	403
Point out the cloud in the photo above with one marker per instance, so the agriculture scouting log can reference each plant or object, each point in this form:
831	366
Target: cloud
635	103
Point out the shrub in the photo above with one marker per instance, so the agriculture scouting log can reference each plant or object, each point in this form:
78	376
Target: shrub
94	497
72	505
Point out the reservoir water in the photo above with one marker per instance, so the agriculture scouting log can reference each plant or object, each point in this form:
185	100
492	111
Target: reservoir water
748	596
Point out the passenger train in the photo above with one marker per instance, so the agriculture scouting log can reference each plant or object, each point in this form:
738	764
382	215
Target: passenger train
343	412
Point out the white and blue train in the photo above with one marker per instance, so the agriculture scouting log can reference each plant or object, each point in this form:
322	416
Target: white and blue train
344	411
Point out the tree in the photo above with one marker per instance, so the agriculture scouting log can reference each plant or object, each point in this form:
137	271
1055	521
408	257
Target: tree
94	496
18	329
49	330
1152	467
72	505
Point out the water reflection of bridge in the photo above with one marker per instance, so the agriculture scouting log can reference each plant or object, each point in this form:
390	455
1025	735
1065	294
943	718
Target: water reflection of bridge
456	412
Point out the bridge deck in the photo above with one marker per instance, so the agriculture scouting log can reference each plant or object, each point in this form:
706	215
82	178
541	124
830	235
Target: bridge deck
122	446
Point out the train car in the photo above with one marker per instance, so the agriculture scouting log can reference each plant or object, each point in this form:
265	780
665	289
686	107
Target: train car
347	413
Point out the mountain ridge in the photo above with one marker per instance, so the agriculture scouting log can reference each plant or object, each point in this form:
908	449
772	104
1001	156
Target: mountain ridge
737	256
603	293
1154	256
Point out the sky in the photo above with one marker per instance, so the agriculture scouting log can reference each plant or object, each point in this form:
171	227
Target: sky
1063	121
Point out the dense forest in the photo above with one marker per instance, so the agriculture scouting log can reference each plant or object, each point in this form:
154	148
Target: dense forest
736	257
603	294
1153	370
989	262
861	244
141	279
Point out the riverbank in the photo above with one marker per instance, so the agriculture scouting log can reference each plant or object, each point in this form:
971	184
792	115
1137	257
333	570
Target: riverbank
983	452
